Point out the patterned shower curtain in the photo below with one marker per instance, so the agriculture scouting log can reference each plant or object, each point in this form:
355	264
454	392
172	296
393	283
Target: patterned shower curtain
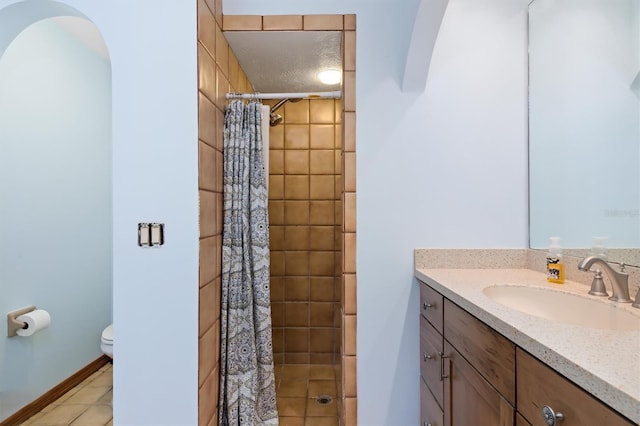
247	383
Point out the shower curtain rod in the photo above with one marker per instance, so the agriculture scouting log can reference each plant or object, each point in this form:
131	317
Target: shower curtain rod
310	95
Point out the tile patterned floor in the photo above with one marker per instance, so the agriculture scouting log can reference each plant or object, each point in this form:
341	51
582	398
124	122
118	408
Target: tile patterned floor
298	387
88	404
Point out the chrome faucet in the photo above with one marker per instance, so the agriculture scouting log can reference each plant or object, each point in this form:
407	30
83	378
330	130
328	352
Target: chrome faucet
619	280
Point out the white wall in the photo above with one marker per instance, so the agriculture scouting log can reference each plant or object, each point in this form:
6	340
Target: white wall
443	168
55	215
155	165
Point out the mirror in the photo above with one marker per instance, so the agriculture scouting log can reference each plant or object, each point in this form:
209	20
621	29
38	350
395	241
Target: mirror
584	125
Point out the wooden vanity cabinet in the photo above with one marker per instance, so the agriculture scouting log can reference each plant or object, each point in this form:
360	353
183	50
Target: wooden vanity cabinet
469	376
539	385
465	367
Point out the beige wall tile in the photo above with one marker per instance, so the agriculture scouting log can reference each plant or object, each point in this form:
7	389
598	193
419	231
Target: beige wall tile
322	111
276	137
349	51
338	111
278	339
277	314
222	88
276	161
207	213
206	27
321	340
211	4
349	331
222	52
322	187
208	398
321	136
321	314
296	187
207	129
325	359
349	87
282	22
350	212
297	263
338	137
219	170
322	212
206	73
208	346
208	259
350	22
276	212
338	187
321	263
349	253
209	302
337	165
323	22
277	289
235	73
321	238
296	162
218	11
296	136
350	294
220	131
296	289
276	237
296	238
219	208
296	314
350	376
349	172
296	112
277	263
296	212
321	289
350	131
322	161
276	187
351	411
296	340
242	22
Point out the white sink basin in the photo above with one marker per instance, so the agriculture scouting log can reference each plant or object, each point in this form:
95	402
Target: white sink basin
564	307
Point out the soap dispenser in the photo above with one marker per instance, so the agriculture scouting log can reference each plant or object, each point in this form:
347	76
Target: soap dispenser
555	265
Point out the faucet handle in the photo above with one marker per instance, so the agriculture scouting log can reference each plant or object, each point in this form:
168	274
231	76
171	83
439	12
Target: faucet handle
597	285
636	303
622	265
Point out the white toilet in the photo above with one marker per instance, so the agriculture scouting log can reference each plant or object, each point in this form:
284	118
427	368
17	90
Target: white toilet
106	341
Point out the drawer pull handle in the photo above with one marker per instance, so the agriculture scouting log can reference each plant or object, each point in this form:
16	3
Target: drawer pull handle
442	357
427	305
550	416
426	357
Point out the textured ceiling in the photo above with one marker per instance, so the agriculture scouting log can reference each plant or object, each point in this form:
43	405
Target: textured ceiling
287	61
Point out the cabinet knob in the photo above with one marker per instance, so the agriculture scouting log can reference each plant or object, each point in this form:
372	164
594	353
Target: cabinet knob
426	357
550	416
426	305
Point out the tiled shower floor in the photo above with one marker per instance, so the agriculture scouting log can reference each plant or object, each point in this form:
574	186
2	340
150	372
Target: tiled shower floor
298	388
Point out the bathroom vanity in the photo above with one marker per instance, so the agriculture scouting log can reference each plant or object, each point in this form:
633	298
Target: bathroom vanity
483	363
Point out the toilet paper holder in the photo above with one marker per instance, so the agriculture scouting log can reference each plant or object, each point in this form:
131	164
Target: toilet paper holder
13	325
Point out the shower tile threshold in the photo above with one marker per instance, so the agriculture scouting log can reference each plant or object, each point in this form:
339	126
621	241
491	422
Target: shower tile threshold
301	393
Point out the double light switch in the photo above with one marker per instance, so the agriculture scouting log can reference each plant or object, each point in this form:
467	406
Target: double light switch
150	234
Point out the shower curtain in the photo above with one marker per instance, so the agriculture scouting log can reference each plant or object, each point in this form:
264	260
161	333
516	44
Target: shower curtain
247	383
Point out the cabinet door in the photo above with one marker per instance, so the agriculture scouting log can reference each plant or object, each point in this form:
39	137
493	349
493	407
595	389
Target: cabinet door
469	398
539	385
431	304
430	412
430	362
493	355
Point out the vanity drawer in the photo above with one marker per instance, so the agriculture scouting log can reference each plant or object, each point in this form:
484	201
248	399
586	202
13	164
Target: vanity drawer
430	412
539	385
486	350
431	303
431	346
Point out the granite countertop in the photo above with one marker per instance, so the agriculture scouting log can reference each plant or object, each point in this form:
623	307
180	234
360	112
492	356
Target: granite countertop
603	362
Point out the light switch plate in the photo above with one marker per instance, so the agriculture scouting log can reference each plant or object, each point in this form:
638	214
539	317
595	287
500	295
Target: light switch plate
144	235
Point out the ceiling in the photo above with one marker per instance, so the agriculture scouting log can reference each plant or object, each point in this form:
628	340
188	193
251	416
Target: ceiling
287	61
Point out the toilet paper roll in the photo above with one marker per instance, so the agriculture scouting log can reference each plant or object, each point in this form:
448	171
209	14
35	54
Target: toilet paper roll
36	320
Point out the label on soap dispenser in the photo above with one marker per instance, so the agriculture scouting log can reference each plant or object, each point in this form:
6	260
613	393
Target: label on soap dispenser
555	270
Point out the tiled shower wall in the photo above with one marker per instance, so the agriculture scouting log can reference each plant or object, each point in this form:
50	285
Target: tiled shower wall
305	215
218	73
